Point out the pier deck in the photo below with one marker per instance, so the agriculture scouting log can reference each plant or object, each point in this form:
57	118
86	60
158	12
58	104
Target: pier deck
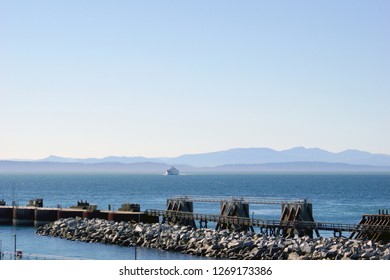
28	215
242	199
270	224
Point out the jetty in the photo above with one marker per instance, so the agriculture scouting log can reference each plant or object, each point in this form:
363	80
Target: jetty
224	244
296	217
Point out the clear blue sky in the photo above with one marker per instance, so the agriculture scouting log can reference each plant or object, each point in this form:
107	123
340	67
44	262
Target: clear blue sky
164	78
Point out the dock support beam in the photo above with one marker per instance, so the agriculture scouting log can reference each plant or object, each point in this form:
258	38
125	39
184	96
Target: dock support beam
368	222
298	212
234	208
181	205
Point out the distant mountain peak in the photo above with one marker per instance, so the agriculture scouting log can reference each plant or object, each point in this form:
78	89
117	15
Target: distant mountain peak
53	158
299	148
250	155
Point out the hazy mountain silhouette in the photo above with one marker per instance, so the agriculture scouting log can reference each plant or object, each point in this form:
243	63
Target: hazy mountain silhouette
249	156
297	159
266	155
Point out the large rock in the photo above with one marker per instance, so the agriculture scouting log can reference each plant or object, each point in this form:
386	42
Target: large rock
293	256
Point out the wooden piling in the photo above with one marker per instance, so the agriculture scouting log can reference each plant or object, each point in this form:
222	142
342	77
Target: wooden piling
371	225
298	212
234	209
182	205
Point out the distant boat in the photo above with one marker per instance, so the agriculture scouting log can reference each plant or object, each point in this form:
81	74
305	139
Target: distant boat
172	171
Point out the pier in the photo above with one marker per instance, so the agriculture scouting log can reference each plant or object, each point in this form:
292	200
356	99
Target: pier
234	213
296	218
272	227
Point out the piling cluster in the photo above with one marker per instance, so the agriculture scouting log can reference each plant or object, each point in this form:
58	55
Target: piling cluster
211	243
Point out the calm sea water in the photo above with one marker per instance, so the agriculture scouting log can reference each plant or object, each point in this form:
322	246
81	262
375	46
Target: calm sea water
335	198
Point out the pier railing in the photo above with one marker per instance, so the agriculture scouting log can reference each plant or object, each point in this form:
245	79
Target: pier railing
336	227
243	199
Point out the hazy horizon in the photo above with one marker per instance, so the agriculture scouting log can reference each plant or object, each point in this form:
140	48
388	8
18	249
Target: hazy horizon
193	154
157	156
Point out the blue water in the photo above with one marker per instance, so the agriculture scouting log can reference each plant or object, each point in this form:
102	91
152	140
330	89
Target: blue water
336	198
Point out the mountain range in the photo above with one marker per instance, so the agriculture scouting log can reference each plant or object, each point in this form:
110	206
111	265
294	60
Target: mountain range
248	156
233	160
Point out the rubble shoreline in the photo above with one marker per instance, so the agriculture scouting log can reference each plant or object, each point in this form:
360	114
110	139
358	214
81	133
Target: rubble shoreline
214	244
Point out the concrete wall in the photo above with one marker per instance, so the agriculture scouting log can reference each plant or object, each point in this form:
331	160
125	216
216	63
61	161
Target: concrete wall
23	216
30	216
6	215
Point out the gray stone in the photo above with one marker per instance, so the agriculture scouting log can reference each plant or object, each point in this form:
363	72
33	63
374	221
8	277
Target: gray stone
248	243
293	256
306	248
354	256
331	254
386	257
367	255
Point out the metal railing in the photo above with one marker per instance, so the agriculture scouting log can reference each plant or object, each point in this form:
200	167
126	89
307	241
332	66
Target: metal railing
251	200
268	223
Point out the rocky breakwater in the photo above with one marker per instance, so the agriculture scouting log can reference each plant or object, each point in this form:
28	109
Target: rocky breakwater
216	244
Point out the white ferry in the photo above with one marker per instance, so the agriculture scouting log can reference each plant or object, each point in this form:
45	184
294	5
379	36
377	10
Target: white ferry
172	171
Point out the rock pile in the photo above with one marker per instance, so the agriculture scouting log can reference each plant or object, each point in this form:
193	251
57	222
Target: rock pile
211	243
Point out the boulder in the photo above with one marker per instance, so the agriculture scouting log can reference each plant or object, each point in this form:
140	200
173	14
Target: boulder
293	256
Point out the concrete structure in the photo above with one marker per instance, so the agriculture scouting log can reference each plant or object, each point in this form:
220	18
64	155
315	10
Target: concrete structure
6	215
298	212
371	225
182	205
35	216
45	215
38	202
234	208
23	216
130	207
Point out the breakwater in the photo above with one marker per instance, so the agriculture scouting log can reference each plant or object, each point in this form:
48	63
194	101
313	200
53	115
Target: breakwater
35	216
224	243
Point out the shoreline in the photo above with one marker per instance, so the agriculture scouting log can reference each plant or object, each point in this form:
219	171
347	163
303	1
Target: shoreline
222	244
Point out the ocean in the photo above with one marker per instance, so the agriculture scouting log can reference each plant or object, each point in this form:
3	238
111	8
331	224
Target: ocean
338	198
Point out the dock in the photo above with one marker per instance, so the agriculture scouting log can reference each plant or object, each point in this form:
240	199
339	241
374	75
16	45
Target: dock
34	214
268	226
296	218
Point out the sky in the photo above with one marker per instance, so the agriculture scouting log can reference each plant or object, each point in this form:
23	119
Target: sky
98	78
